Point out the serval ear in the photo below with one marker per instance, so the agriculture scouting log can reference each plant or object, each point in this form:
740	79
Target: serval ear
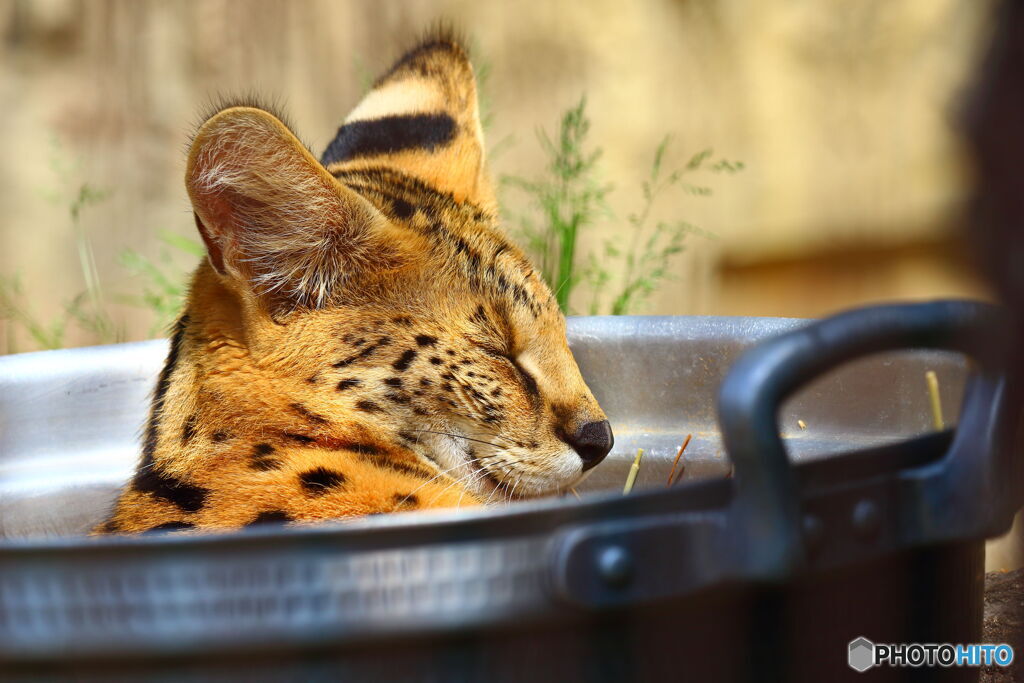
421	118
273	217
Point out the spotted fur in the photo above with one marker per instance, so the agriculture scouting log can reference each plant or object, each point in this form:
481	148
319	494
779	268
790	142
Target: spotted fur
362	337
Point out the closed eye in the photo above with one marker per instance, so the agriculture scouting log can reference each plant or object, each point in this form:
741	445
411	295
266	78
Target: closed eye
495	352
529	383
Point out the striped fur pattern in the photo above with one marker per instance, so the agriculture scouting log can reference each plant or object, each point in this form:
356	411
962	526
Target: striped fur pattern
362	337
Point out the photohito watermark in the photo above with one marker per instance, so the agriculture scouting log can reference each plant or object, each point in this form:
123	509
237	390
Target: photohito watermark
863	654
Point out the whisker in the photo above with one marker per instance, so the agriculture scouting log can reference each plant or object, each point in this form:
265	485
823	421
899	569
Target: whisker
500	487
465	482
477	477
499	436
512	493
457	436
437	476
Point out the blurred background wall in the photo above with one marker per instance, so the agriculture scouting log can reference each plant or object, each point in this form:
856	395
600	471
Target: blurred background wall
843	114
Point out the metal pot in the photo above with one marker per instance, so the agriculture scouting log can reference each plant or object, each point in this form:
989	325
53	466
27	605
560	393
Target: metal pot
765	576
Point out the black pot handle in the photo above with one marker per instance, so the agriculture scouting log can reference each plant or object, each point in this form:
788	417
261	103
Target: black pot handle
750	397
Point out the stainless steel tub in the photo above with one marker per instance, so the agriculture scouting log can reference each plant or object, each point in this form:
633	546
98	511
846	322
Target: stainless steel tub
867	528
70	420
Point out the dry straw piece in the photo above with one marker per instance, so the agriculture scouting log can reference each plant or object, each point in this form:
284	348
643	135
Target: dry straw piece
633	469
933	393
676	462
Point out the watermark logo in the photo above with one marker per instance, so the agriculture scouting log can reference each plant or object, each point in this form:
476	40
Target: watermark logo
864	654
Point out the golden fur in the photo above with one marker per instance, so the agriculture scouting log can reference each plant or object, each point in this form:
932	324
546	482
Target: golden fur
362	338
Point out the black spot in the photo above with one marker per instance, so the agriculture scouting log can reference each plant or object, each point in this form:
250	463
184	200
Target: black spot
417	392
404	468
187	496
425	340
419	411
359	342
395	382
367	351
403	209
405	500
319	480
403	320
367	406
404	360
169	526
345	362
449	376
111	527
434	360
390	134
406	436
496	393
308	414
270	517
424	382
189	430
365	449
301	438
312	380
263	458
474	262
447	387
450	352
401	399
348	383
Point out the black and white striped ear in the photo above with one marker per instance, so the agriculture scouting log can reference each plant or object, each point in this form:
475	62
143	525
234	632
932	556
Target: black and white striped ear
420	118
273	217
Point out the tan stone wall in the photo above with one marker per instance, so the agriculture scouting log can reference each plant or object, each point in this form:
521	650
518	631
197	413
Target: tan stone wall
841	111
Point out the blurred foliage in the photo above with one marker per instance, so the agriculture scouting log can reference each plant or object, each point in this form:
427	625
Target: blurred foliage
567	198
163	285
90	312
644	265
570	197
